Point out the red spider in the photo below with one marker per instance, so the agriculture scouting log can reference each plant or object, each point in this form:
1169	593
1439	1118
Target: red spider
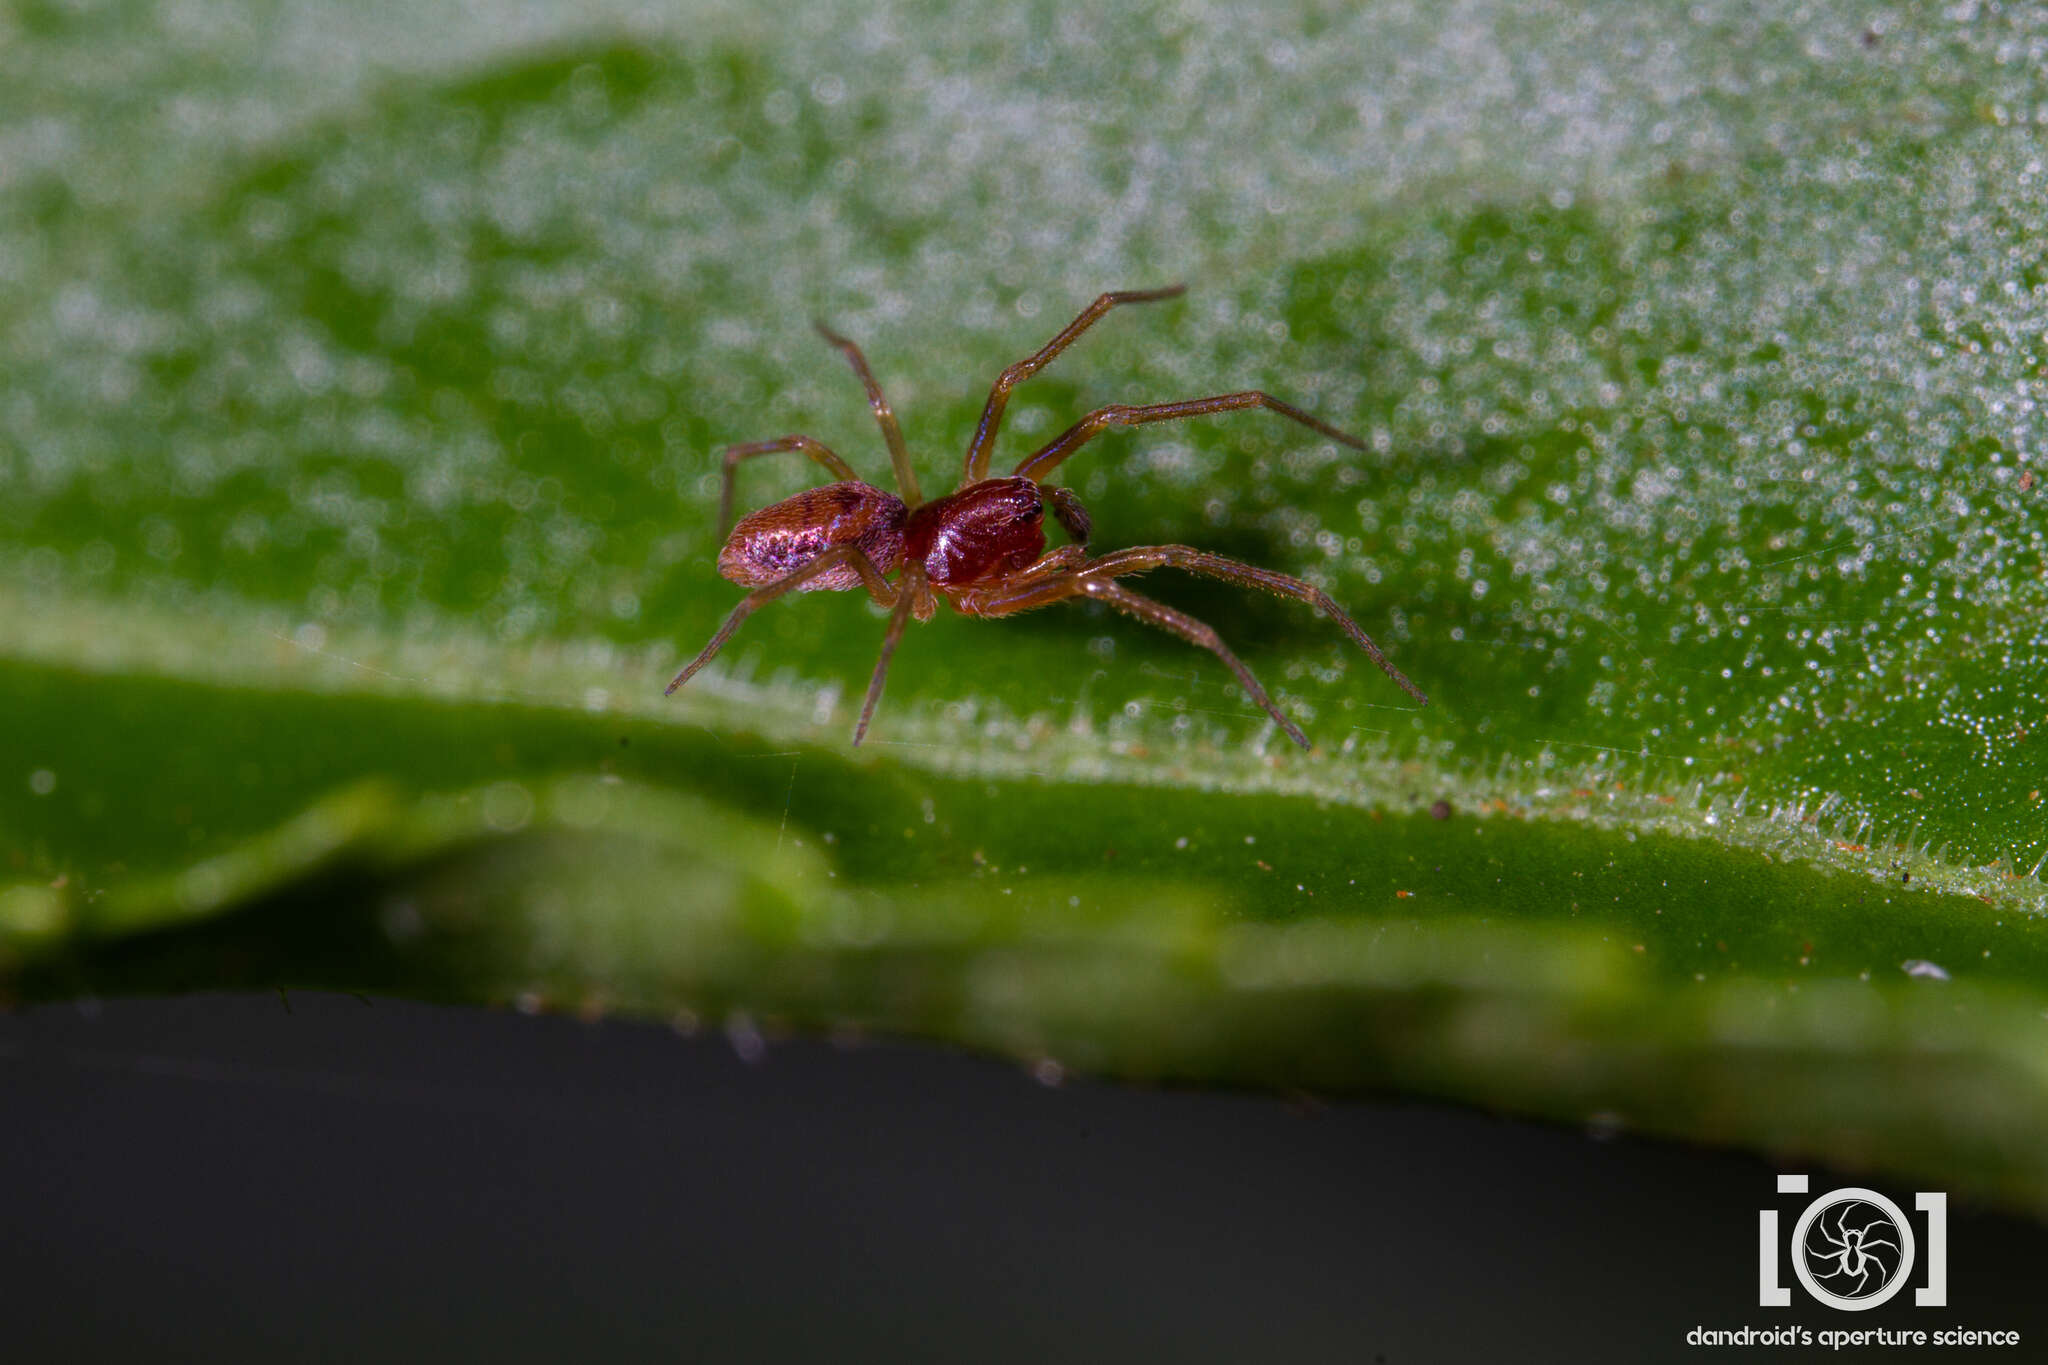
982	547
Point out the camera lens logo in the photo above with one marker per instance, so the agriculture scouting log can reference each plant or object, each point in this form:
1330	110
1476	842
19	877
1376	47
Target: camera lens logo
1852	1249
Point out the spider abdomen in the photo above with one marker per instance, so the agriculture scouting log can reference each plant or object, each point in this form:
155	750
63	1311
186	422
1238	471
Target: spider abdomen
989	528
776	541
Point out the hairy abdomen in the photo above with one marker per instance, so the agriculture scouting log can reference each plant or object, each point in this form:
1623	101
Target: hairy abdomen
773	543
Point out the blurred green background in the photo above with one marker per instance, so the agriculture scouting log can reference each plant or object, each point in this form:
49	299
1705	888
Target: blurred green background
365	373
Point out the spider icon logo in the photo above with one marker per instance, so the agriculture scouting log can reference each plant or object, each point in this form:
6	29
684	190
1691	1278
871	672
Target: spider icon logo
1852	1249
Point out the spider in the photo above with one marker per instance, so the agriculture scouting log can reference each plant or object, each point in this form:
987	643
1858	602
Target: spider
982	546
1854	1250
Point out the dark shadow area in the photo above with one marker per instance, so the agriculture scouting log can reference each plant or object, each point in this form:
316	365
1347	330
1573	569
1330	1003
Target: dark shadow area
320	1177
326	918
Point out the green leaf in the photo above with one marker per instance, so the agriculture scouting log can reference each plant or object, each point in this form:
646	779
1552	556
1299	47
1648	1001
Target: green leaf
365	382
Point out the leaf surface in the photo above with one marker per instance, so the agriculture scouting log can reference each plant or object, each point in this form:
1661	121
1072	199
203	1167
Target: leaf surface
365	387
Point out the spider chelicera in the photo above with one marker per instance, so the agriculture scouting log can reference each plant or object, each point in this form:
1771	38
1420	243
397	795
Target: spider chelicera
982	546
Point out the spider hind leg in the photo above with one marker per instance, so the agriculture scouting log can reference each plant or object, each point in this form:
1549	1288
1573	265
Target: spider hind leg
836	557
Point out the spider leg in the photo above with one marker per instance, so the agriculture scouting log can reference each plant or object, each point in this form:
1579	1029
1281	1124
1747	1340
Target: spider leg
1038	465
899	453
1079	582
999	396
748	450
1049	580
1194	632
851	555
1143	557
1061	560
906	597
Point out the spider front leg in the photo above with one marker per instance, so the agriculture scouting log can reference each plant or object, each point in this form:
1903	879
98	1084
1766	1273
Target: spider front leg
999	395
749	449
850	556
1079	582
1046	459
1195	633
1143	557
